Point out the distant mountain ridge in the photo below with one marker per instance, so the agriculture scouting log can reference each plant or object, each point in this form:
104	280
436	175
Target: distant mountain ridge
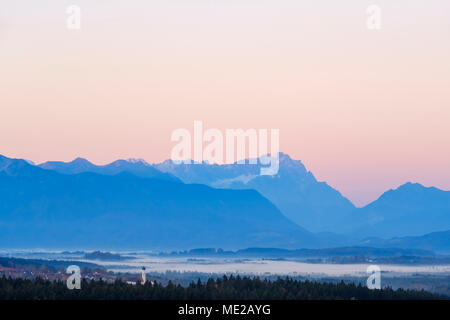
44	208
302	253
294	190
411	210
435	241
137	167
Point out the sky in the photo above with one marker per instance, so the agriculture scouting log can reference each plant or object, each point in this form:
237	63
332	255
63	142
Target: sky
364	110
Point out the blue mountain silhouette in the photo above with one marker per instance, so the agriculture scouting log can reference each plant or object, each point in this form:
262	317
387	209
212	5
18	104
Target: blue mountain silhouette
44	208
435	241
137	167
132	204
409	210
294	190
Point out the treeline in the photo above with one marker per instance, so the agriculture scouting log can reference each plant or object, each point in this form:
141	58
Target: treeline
233	288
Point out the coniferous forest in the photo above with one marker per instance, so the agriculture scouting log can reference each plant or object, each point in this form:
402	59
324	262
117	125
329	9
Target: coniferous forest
225	288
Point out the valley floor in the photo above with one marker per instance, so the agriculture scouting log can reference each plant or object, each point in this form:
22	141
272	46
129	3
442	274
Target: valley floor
184	270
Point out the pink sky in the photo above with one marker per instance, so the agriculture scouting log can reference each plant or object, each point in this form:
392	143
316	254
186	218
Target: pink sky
364	110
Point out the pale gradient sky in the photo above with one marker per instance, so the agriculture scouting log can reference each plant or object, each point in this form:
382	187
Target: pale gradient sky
364	110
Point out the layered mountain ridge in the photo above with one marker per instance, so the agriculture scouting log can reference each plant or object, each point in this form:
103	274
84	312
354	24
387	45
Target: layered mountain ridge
45	208
229	206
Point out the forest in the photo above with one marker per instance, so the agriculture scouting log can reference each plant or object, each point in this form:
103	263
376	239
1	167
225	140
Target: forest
225	288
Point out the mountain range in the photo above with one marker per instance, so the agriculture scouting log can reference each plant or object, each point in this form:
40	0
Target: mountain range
295	191
410	210
45	208
133	204
137	167
435	241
